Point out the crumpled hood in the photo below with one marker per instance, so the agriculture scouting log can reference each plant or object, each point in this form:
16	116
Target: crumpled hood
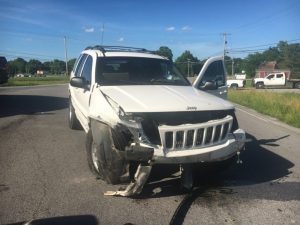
162	98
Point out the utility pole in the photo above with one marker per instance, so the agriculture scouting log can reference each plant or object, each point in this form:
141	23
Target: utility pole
188	64
102	34
66	55
232	67
225	43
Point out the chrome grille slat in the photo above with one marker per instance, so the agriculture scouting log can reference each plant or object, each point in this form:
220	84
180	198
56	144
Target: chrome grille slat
190	136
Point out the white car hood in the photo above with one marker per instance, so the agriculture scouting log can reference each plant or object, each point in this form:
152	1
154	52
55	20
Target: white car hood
161	98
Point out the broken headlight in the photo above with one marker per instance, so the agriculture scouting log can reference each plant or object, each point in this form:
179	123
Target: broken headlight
128	120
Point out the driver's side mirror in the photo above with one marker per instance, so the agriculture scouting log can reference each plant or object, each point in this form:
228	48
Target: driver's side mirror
209	85
79	82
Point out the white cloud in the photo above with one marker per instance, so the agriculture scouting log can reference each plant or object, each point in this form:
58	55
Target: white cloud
186	28
89	30
170	28
121	39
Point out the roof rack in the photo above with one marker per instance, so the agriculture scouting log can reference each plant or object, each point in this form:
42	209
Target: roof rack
104	49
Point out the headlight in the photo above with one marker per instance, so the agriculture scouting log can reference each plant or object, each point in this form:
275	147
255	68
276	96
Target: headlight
126	118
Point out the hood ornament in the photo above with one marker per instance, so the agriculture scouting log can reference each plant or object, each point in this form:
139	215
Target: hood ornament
191	108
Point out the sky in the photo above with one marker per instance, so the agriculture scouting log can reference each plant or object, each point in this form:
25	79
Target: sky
39	29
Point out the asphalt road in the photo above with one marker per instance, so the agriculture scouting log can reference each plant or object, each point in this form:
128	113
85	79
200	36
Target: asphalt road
44	174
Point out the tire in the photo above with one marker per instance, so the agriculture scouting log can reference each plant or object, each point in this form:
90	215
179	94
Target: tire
74	124
103	158
234	86
297	85
259	85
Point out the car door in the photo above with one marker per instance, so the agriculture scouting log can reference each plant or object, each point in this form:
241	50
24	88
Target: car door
270	80
280	79
212	77
82	95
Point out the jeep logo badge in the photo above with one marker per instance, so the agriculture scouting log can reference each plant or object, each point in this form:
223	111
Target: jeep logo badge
193	108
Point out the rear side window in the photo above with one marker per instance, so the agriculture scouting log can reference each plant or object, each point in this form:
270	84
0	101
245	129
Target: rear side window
279	75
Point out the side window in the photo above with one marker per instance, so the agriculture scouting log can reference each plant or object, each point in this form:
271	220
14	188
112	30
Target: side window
279	75
270	77
80	65
87	69
215	72
76	63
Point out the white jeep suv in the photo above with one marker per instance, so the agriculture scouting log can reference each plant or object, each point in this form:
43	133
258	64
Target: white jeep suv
137	109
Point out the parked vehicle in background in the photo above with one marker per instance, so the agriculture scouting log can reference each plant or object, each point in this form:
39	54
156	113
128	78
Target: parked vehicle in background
239	81
3	70
276	80
137	110
235	83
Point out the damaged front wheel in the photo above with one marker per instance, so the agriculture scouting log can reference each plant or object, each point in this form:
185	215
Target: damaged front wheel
103	158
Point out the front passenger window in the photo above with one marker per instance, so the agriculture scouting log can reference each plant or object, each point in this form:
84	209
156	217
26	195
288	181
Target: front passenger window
87	69
80	65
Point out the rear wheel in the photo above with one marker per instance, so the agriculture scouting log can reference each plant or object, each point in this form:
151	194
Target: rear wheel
297	85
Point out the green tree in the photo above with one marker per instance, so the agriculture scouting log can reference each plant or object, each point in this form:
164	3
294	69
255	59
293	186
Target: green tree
71	63
188	64
237	64
289	57
17	66
165	51
55	67
33	65
252	62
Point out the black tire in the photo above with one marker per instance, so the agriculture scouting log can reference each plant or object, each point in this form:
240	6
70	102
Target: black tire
259	85
297	85
74	124
103	159
234	86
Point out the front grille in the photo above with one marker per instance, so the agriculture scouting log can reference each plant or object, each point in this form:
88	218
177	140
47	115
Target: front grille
189	136
151	122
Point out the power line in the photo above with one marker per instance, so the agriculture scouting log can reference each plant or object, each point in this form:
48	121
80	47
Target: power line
14	53
256	46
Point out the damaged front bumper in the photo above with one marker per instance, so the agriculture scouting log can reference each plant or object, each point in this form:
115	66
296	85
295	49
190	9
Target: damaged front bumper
183	146
158	155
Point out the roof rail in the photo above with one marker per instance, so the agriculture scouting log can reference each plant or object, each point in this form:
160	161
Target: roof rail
104	49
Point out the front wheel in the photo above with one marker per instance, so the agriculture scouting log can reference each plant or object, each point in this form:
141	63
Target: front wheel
259	85
234	86
103	158
74	124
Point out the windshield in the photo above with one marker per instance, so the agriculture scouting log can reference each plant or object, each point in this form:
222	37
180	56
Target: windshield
137	71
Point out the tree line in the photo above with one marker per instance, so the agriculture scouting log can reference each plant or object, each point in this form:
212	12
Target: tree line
19	65
286	55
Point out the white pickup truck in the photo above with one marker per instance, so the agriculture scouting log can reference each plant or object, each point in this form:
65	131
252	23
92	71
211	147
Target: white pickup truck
138	110
276	80
235	83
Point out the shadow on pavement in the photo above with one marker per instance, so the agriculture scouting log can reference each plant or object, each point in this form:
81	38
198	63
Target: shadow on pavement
12	105
260	166
63	220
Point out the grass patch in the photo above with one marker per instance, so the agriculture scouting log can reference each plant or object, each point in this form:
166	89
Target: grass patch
283	106
31	81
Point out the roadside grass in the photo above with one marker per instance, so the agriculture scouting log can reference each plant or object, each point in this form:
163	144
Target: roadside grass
31	81
283	106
